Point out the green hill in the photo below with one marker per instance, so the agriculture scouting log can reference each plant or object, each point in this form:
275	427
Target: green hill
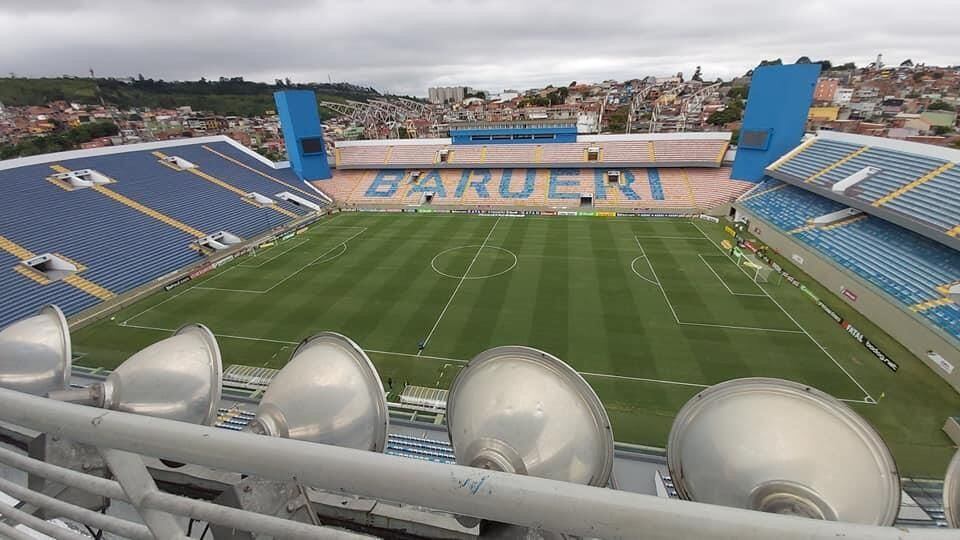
227	96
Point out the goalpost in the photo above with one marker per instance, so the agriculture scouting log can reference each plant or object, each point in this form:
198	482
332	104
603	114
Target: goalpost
759	271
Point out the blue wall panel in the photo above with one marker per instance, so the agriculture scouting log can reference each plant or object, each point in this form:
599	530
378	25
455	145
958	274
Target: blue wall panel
517	135
778	104
303	133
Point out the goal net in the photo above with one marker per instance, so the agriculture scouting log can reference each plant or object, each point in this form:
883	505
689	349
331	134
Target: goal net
759	271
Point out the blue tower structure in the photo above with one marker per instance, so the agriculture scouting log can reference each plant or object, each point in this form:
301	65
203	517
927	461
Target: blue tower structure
776	117
303	133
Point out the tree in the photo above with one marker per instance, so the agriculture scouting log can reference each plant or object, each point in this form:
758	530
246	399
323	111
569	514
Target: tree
696	75
617	121
937	75
940	106
908	63
942	130
803	60
825	65
777	62
739	92
732	113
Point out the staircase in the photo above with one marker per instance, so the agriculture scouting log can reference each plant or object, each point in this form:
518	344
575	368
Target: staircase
918	182
929	304
838	163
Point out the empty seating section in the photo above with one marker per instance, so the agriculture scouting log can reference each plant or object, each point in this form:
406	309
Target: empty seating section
907	266
923	188
122	247
564	153
937	200
467	154
896	170
244	172
501	154
691	151
183	195
364	155
419	448
23	296
637	189
625	152
946	316
679	152
714	187
817	157
413	154
790	207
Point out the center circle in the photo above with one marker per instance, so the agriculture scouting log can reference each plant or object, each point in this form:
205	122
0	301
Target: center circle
456	261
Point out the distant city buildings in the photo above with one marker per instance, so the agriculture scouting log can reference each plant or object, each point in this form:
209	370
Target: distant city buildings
447	94
911	102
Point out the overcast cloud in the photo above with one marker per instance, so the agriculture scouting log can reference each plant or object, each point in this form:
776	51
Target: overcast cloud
407	46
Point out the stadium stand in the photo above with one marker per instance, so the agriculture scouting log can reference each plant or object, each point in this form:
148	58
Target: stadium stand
651	188
917	183
676	150
908	267
141	226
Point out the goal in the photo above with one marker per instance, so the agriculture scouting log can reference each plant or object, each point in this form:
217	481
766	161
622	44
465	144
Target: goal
759	271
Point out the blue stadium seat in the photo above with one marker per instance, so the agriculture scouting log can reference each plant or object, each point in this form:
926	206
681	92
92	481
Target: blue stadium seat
907	266
122	247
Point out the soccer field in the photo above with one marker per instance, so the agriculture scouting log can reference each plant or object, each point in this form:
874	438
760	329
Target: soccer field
650	311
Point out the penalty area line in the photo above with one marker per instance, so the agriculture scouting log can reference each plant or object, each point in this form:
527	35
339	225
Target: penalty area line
867	397
866	401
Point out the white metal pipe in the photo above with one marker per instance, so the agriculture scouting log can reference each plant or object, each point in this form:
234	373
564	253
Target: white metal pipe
137	483
531	502
245	520
60	475
10	533
197	509
76	513
39	525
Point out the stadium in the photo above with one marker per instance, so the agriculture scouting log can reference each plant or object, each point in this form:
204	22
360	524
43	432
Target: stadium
633	312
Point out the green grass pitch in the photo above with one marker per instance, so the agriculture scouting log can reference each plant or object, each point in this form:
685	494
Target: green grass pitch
583	289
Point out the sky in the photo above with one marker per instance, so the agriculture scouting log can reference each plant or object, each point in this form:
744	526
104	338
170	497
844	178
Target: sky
406	46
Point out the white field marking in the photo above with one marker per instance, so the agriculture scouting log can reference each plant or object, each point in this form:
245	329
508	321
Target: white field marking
158	304
724	282
459	284
708	325
439	358
440	378
868	400
867	396
275	256
282	281
435	269
670	237
634	268
342	251
659	283
749	328
643	379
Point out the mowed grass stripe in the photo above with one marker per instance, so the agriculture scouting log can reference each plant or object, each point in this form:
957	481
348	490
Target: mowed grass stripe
408	320
572	294
486	301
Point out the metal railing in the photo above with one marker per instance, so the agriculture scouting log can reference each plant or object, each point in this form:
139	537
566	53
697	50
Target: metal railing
537	503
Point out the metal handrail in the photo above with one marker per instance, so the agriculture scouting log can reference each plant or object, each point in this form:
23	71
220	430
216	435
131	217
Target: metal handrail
520	500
